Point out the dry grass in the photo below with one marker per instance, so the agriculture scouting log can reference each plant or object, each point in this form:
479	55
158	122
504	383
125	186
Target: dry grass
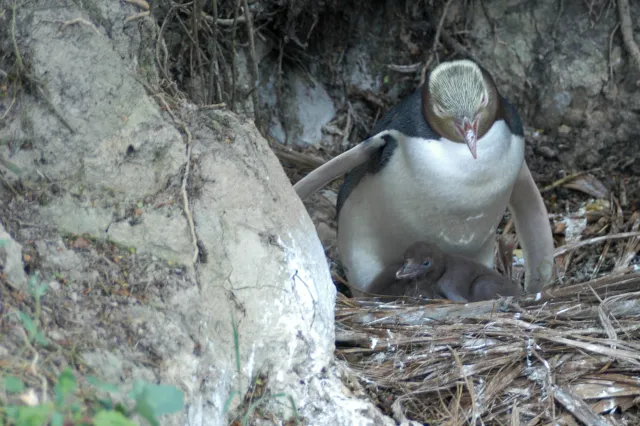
571	353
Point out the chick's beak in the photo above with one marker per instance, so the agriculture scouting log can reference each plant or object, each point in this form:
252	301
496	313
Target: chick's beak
468	129
408	270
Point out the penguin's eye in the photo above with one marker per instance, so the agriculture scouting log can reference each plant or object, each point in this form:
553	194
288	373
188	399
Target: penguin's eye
426	263
439	110
483	100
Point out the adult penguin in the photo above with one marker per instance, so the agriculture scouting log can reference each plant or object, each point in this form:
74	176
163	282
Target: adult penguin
451	163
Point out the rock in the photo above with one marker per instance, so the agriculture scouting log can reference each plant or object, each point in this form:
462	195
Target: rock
11	260
564	130
54	285
327	235
546	152
119	175
307	107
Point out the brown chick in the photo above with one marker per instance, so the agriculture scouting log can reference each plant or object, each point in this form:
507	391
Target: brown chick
429	272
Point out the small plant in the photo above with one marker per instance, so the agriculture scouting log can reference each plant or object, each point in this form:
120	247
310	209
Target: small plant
145	400
150	402
257	394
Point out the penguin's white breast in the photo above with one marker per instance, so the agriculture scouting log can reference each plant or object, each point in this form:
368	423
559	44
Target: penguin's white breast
435	190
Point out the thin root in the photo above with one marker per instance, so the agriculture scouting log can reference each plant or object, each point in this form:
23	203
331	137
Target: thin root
137	16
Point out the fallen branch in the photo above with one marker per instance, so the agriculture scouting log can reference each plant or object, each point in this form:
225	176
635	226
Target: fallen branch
255	76
564	249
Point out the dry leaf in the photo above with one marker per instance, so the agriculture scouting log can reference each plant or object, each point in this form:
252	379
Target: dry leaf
80	243
590	185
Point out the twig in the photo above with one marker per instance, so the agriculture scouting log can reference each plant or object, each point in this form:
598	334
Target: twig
185	199
213	73
196	51
254	60
405	69
562	250
137	16
55	109
74	21
6	182
297	157
280	108
160	44
140	3
436	40
613	33
185	179
234	67
225	22
16	51
212	106
624	202
562	181
601	259
347	128
13	101
468	383
630	250
454	45
577	407
627	31
34	363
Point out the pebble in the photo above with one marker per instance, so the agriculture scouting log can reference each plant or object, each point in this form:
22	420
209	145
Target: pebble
54	285
564	130
546	152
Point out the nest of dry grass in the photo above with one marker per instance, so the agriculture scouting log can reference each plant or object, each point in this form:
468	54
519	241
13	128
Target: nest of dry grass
567	356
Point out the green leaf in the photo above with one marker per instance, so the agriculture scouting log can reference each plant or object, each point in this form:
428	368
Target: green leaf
111	418
13	384
107	387
12	412
32	283
164	399
155	400
144	409
57	419
227	403
40	291
121	408
66	385
28	324
39	337
137	389
32	329
36	415
11	166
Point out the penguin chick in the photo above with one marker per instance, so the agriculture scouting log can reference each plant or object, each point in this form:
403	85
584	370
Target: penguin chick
429	272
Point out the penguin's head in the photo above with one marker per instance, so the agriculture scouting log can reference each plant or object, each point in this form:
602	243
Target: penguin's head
460	102
421	260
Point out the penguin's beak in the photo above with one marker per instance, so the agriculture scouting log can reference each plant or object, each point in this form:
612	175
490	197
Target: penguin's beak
468	129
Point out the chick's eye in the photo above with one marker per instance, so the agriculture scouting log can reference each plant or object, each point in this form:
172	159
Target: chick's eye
426	263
